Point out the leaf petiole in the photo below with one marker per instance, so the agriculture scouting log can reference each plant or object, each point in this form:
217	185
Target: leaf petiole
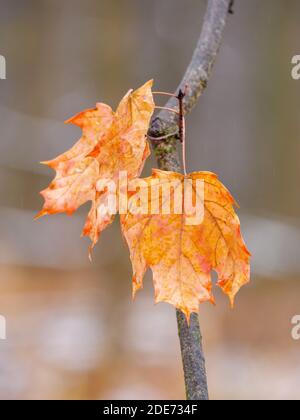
164	108
162	138
165	94
182	128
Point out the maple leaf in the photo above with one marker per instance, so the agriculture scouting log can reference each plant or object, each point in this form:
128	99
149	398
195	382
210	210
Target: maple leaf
180	254
110	143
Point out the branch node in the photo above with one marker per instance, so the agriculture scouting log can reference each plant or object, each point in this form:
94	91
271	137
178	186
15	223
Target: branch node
230	9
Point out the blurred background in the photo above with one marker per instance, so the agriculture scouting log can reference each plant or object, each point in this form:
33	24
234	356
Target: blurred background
72	329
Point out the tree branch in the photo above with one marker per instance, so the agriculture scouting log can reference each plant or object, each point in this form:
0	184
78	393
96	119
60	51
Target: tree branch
164	125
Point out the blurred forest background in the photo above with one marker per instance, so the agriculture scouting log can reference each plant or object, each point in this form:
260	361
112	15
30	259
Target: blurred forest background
73	331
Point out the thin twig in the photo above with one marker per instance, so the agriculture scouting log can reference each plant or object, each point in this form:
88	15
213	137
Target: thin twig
196	77
181	124
167	109
165	94
184	146
158	140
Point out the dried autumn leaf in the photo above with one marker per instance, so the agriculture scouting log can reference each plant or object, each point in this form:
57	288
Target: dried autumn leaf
110	143
182	255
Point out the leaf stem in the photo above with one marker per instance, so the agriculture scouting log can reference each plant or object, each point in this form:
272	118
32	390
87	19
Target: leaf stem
182	128
165	108
157	140
173	95
230	9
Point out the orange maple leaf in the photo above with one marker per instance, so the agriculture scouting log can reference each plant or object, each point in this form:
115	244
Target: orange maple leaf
110	143
180	254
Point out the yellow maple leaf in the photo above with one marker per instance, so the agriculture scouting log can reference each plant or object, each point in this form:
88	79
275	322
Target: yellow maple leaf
182	254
